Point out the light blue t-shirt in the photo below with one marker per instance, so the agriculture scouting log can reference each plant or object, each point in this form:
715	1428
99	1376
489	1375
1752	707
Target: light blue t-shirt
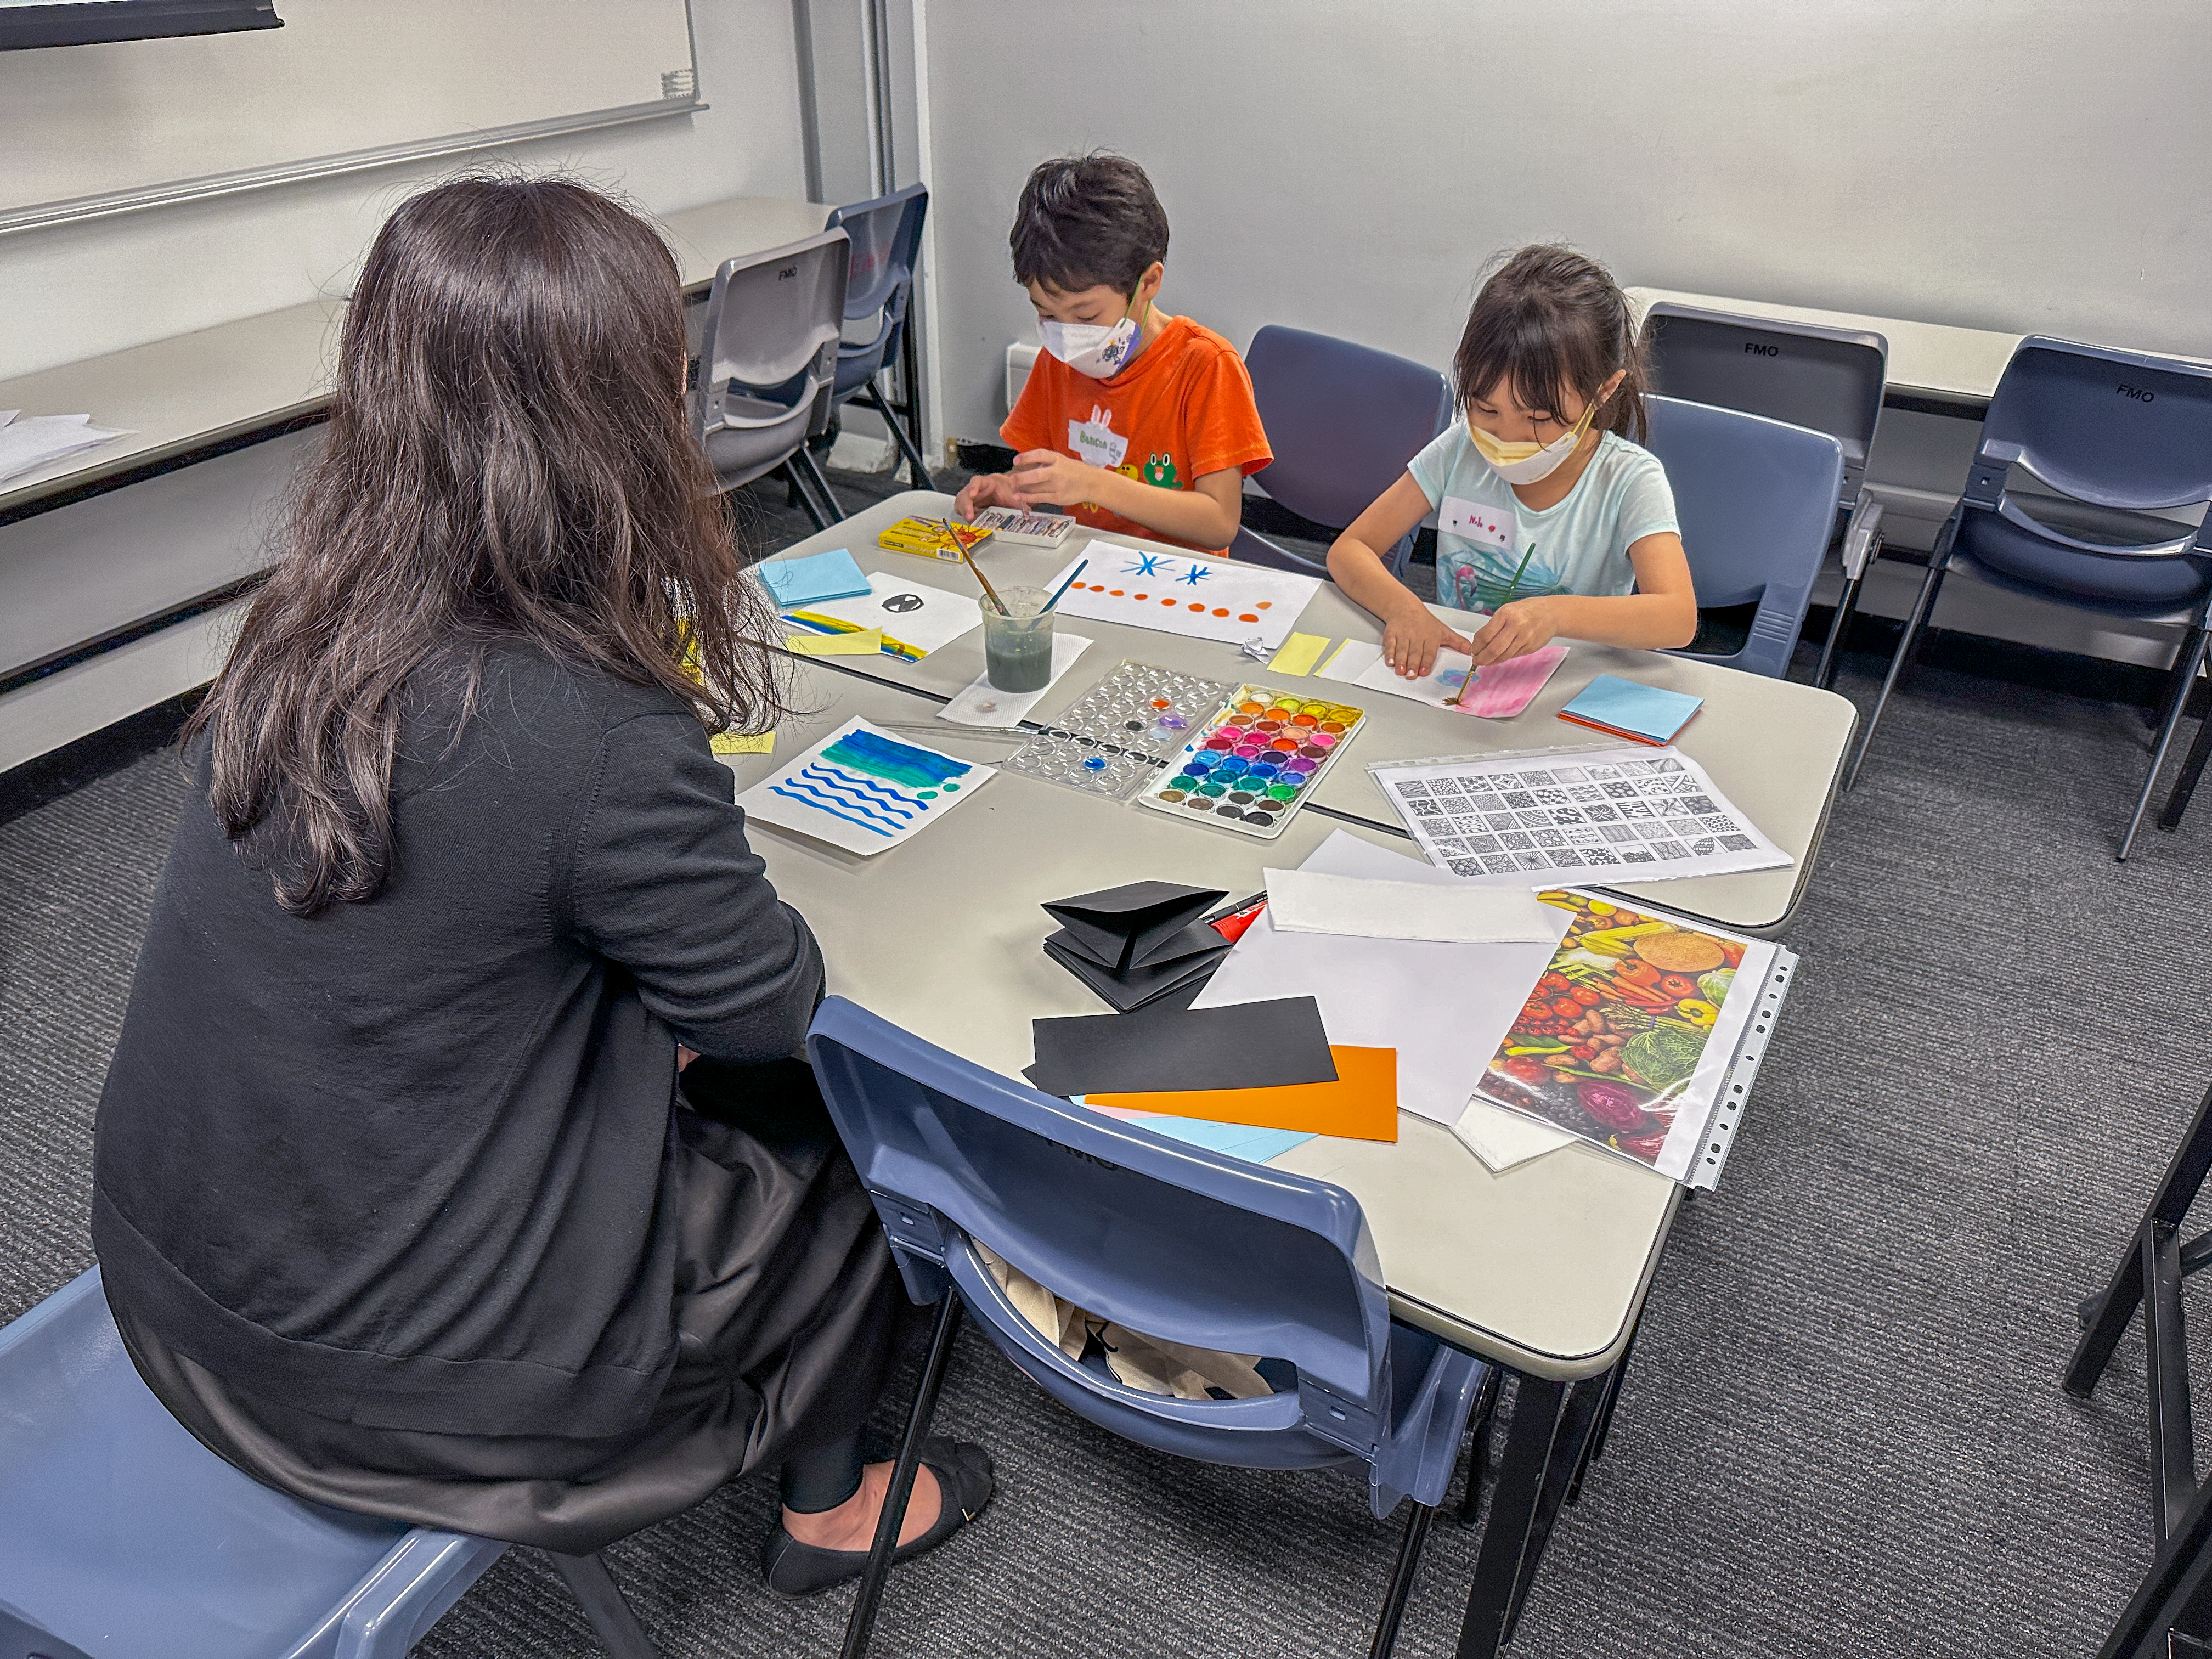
1483	530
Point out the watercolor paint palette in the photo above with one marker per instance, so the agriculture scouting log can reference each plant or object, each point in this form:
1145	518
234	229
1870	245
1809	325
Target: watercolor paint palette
1121	734
1256	763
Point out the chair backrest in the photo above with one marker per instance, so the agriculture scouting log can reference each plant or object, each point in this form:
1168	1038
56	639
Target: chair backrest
2113	429
120	1529
1342	419
1756	500
1168	1239
886	244
769	342
1828	379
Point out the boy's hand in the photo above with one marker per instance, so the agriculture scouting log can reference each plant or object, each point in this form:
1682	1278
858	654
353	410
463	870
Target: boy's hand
1044	477
1515	630
984	490
1411	639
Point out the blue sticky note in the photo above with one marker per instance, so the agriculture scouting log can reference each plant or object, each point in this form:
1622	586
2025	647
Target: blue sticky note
1633	710
1256	1145
830	575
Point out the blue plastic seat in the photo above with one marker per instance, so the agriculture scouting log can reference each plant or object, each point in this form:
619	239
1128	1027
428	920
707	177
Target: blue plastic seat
1756	500
1343	420
1168	1239
1831	380
122	1537
2113	430
886	242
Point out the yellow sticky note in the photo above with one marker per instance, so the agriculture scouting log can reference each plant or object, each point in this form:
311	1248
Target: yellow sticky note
864	643
744	743
1299	653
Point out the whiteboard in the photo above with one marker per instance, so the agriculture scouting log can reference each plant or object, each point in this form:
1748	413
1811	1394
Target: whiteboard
344	85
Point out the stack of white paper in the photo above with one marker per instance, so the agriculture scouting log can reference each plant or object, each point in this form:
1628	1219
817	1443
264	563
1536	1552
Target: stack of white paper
28	442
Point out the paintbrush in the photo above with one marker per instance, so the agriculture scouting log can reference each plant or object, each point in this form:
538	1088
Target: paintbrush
989	593
1065	586
1511	588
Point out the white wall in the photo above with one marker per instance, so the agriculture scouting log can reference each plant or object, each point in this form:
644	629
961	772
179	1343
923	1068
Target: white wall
80	291
1348	165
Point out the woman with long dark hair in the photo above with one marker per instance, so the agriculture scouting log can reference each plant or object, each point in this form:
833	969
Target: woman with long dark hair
398	1203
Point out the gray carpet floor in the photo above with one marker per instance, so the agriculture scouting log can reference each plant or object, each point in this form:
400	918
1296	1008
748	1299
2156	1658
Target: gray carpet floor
1843	1432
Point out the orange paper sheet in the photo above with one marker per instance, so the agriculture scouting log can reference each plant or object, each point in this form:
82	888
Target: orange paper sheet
1362	1104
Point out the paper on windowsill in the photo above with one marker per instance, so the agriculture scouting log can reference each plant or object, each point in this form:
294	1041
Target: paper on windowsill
28	442
1310	902
982	703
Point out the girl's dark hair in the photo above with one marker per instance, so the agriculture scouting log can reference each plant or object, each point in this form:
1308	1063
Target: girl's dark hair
508	459
1088	221
1549	321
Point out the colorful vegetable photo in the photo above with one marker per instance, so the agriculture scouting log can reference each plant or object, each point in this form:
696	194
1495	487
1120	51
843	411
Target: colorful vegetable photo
1610	1036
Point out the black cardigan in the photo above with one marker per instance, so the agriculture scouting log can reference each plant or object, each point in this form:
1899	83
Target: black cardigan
401	1164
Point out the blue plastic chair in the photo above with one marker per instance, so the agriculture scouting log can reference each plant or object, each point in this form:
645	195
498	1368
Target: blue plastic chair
1756	500
1343	420
2116	430
1163	1237
886	236
1831	380
122	1537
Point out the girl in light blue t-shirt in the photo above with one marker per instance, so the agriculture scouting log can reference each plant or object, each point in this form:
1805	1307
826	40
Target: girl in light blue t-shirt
1547	516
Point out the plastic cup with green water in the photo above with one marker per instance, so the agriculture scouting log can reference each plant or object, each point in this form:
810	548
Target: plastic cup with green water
1018	643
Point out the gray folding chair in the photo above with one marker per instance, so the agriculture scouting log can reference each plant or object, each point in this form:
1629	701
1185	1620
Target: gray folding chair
768	364
1830	379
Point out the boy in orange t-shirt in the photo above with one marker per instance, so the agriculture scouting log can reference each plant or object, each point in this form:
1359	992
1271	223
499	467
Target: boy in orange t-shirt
1133	420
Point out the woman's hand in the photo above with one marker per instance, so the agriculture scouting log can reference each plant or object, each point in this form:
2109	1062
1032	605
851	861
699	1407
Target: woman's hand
1515	630
984	490
1411	637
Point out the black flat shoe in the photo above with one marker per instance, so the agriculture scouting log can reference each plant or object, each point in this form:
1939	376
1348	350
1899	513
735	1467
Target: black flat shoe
964	1484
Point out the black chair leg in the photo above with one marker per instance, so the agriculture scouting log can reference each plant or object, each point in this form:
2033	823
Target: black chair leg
612	1621
2191	769
900	435
1824	676
862	1623
1478	1453
1920	608
793	476
2188	659
813	468
1401	1580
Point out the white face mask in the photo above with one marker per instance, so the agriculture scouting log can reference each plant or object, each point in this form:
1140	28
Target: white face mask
1530	463
1101	350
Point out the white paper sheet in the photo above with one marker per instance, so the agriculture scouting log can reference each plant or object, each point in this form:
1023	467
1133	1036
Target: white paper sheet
1358	663
912	614
1503	1138
1444	1007
1182	593
984	704
863	802
1308	902
1599	816
28	442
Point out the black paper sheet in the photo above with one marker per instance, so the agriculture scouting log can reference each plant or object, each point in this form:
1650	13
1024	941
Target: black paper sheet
1138	987
1137	926
1251	1045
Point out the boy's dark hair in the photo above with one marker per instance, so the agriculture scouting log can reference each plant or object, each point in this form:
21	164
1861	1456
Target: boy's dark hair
1549	321
1087	222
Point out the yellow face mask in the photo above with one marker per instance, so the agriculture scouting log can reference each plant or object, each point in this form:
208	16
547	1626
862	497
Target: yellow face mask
1531	463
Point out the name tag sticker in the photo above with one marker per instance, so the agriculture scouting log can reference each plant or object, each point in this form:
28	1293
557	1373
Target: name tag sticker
1095	440
1471	521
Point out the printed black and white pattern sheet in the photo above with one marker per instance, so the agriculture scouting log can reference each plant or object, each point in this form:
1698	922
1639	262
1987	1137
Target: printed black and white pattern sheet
1591	816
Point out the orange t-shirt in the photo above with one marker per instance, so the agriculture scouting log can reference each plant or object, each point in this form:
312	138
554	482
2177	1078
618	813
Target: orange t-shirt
1183	409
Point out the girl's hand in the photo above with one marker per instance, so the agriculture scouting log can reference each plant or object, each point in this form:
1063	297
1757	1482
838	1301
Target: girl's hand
1411	639
984	490
1515	630
1045	477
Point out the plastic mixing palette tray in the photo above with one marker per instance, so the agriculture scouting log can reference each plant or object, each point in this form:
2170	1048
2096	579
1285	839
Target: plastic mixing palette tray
1252	766
1121	734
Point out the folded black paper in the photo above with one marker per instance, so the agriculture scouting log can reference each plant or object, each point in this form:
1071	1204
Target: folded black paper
1132	926
1137	987
1249	1045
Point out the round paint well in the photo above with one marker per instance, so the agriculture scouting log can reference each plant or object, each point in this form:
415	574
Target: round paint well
1239	796
1321	739
1177	793
1210	787
1283	791
1229	811
1250	707
1198	804
1246	750
1303	719
1313	751
1284	745
1332	726
1257	818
